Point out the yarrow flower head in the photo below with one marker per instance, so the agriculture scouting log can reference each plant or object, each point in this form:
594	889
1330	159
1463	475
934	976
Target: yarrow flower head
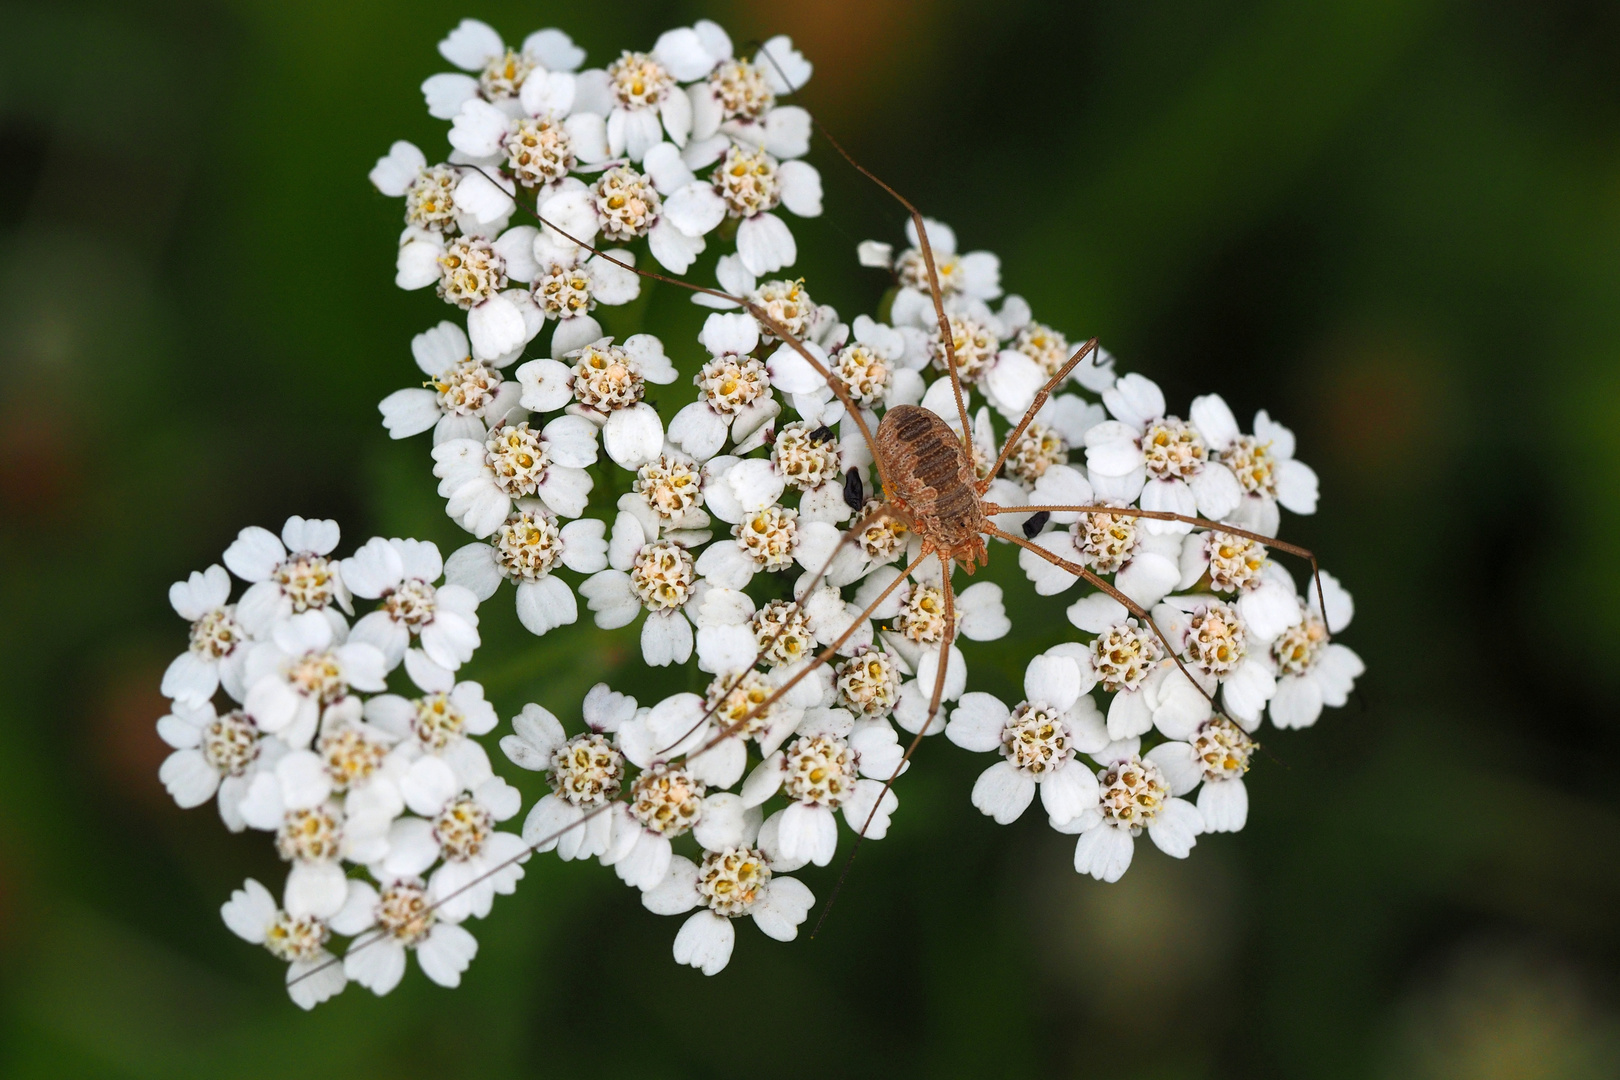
780	507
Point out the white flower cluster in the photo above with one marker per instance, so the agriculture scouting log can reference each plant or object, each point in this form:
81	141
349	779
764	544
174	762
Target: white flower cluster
754	535
667	146
280	714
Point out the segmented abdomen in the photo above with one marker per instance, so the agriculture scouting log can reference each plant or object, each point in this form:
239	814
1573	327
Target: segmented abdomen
931	474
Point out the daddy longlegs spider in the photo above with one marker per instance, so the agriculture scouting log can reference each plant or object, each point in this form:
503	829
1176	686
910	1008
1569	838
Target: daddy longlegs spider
929	484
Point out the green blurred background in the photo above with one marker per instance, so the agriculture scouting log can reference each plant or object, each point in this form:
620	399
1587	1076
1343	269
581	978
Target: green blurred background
1396	225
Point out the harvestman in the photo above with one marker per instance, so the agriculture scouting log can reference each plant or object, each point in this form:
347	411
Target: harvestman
930	485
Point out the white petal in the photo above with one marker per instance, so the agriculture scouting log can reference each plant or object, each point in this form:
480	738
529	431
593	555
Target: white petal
1214	420
1135	400
565	491
612	284
409	412
695	209
393	173
677	893
634	436
587	131
446	953
1003	791
555	49
1341	608
479	130
411	847
552	92
495	328
765	244
869	808
676	113
304	780
318	979
545	604
1168	496
584	548
955	673
446	92
189	778
792	373
633	133
1215	490
875	253
571	441
721	765
1182	767
1104	852
787	132
1067	792
674	250
1012	381
727	820
785	905
808	832
698	431
190	679
317	889
1175	830
764	781
1130	713
551	824
705	941
471	45
664	167
254	554
1297	702
724	333
1096	612
1180	708
801	188
783	66
428	785
1147	578
416	265
249	911
1297	486
1054	680
375	963
609	596
473	567
976	724
1268	609
755	483
683	53
645	865
1246	690
1224	805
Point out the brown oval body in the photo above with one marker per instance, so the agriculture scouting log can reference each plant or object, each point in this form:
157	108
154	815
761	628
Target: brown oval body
933	479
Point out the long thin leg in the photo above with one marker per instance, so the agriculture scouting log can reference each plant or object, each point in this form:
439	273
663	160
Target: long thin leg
1035	407
991	510
864	522
821	658
371	937
1130	605
934	291
727	733
939	689
760	315
946	338
916	741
